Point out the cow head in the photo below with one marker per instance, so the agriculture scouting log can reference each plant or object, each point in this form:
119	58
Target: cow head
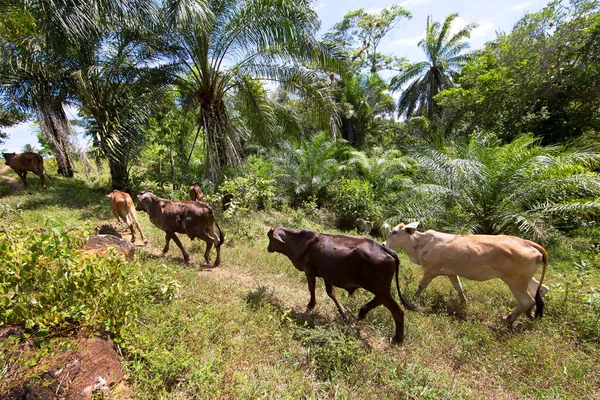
144	200
276	237
8	157
111	194
401	235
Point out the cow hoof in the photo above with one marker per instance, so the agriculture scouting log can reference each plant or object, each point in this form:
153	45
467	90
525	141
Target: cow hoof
217	263
361	315
145	241
397	340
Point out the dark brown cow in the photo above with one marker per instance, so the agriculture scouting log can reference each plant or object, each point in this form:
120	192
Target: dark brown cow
123	209
346	262
196	193
24	162
190	217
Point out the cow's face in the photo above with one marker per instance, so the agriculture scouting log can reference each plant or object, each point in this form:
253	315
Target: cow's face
401	235
8	157
144	200
111	194
276	240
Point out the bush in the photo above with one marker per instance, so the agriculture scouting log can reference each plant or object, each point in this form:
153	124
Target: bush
45	283
249	192
354	199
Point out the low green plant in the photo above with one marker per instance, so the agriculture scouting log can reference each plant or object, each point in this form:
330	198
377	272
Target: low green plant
46	282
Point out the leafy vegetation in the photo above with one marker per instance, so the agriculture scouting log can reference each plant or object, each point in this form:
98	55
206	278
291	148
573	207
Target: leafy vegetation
501	140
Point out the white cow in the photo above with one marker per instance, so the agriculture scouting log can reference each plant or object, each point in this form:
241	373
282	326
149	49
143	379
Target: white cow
477	257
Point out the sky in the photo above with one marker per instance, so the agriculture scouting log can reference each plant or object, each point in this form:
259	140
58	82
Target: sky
491	17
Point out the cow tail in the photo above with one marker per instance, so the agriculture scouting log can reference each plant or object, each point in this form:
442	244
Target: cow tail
405	302
221	235
539	302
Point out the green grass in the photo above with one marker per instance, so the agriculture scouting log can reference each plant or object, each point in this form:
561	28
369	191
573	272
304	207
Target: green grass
241	330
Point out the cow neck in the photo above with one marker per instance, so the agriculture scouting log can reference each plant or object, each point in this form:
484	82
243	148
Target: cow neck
299	254
155	205
414	247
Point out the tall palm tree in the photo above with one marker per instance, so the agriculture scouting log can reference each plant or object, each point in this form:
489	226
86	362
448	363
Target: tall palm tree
445	58
120	83
34	77
244	41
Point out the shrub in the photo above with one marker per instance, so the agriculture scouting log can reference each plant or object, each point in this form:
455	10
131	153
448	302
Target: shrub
249	192
354	199
45	283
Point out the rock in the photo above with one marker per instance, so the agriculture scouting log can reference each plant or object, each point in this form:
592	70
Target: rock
98	244
94	368
107	229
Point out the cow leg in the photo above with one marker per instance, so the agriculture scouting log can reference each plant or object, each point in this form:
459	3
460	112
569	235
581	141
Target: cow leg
398	315
130	226
377	301
140	229
186	256
456	283
168	239
41	175
525	301
311	288
23	176
330	289
425	281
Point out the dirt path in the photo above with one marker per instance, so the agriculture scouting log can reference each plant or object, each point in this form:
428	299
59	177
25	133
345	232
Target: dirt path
5	175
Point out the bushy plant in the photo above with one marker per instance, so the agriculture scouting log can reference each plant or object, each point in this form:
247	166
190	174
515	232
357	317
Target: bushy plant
249	192
354	199
46	282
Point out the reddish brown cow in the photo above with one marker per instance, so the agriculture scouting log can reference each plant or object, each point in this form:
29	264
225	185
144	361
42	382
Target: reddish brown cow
123	209
24	162
196	193
346	262
193	218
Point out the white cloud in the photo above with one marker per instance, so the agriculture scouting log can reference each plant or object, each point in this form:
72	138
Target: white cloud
484	28
521	6
406	42
413	3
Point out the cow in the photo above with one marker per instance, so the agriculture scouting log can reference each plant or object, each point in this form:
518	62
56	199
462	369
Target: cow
346	262
123	209
193	218
24	162
477	257
196	192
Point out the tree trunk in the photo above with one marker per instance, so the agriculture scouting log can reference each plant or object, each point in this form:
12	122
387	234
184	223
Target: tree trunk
118	173
56	128
221	147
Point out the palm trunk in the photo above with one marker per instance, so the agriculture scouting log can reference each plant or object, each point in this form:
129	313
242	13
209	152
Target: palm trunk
221	148
56	127
119	173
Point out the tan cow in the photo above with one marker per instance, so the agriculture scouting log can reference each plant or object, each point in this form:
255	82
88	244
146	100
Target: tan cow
24	162
196	192
477	257
123	209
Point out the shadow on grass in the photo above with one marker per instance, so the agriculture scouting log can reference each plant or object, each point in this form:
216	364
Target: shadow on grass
68	193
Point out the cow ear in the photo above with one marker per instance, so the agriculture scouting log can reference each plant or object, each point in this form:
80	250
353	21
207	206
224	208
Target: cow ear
108	195
411	228
279	236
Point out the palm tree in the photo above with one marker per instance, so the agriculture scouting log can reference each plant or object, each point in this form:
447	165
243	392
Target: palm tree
444	60
517	188
34	77
225	50
120	83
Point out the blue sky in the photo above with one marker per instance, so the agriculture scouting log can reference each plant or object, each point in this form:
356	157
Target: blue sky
492	17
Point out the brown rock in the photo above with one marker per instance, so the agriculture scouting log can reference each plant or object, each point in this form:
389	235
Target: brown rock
94	368
98	244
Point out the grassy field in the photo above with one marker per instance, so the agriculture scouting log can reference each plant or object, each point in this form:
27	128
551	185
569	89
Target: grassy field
241	330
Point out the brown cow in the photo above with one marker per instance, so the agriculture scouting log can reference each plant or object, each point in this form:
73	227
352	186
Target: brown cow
346	262
190	217
24	162
196	192
123	209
